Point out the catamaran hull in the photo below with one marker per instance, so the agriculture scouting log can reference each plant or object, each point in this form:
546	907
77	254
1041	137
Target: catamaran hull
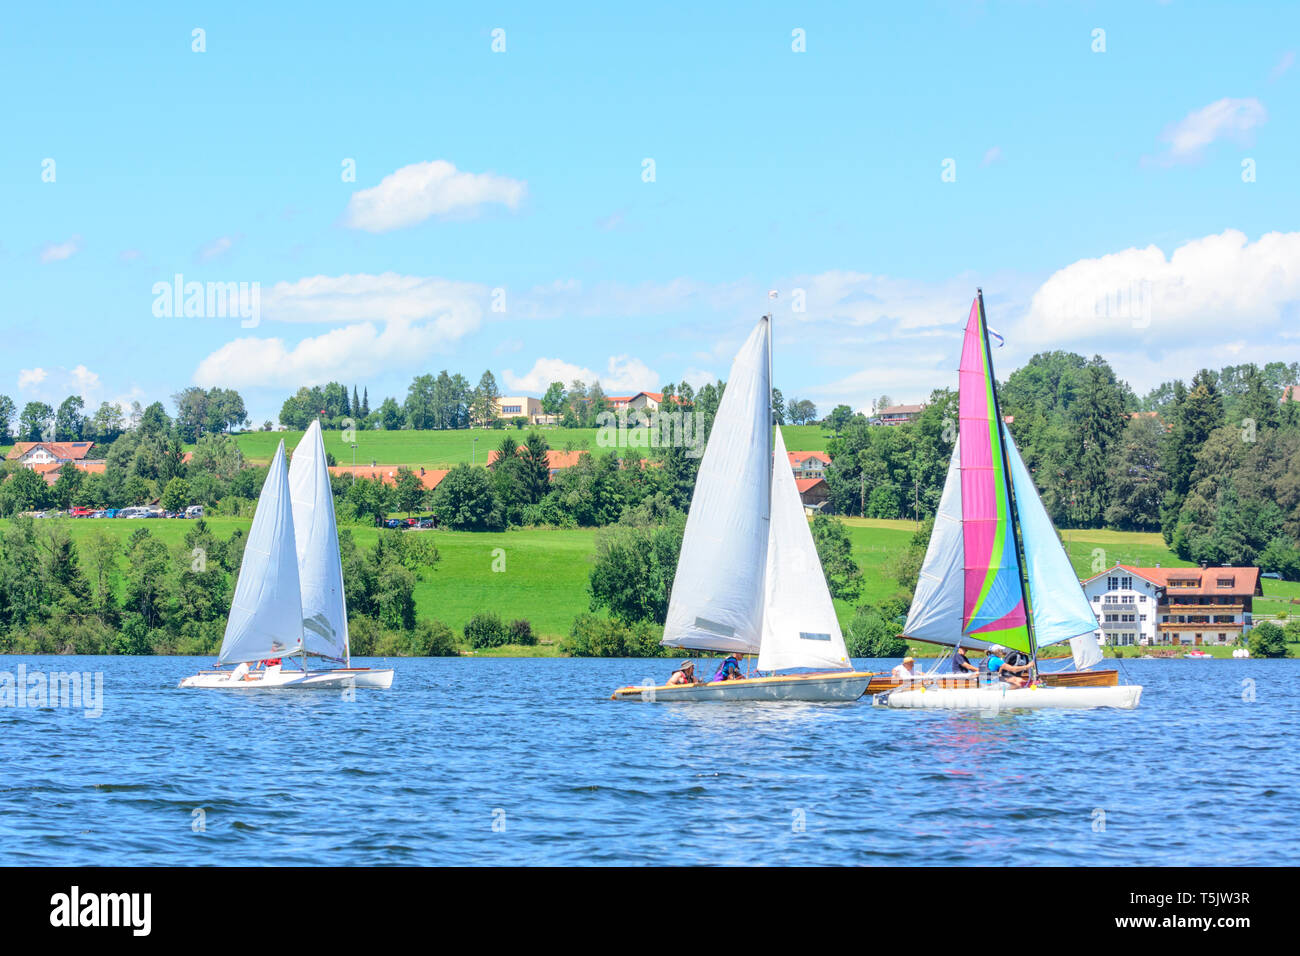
1005	697
830	688
340	679
1106	678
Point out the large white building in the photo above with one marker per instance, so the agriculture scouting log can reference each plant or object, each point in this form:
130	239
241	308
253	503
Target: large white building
1172	606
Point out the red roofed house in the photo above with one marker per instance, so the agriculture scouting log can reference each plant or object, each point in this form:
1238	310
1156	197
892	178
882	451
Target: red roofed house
47	458
641	401
555	460
813	492
1291	394
898	414
808	464
1173	606
388	474
32	453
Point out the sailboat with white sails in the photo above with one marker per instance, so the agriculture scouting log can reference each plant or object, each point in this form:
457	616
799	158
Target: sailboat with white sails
748	578
289	598
995	572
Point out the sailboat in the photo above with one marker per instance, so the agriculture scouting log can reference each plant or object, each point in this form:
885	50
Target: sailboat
748	578
289	597
995	572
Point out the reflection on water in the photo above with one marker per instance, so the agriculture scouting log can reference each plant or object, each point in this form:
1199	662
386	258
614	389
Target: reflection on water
527	761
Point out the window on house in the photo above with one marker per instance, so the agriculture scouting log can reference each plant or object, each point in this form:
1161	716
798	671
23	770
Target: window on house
1112	584
1126	582
1225	582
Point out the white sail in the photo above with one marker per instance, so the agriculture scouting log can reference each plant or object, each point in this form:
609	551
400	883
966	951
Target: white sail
1086	651
800	628
1060	608
717	597
324	607
266	613
936	611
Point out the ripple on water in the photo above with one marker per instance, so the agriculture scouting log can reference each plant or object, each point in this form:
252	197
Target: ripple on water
446	769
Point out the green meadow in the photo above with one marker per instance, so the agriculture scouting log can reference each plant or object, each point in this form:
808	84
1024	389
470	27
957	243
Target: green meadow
431	449
541	574
443	449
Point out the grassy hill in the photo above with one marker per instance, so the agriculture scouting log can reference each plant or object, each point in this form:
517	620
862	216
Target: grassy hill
442	449
545	576
438	449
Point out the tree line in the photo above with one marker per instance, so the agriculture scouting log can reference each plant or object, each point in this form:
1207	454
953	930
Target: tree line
1214	464
199	411
448	401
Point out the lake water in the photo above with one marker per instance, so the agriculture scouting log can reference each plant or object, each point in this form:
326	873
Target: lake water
499	761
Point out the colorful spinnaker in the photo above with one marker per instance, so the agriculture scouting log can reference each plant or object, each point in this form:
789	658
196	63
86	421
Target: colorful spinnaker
995	571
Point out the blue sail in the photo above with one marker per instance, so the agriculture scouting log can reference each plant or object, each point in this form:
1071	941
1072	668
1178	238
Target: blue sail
1060	608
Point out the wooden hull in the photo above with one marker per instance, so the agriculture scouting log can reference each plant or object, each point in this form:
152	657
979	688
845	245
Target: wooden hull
828	687
1106	678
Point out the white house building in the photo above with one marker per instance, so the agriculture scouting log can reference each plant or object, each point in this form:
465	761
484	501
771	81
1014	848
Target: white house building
1172	606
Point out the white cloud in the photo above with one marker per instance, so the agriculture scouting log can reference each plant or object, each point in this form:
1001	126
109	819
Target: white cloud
87	381
568	298
696	378
1284	64
622	373
1207	286
215	249
55	384
994	155
29	377
388	297
420	191
388	320
1234	119
58	251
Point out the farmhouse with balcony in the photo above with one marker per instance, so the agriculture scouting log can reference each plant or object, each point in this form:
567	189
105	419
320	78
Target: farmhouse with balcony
1173	606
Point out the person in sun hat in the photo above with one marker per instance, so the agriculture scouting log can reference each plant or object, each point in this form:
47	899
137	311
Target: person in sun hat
685	673
905	671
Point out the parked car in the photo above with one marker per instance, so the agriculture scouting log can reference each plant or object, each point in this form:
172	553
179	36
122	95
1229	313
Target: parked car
426	523
394	523
1271	575
194	511
80	512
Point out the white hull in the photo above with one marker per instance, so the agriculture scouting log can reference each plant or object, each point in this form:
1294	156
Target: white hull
836	686
275	679
999	697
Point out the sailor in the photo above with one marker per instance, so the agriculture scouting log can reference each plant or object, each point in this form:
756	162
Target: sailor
729	669
685	673
961	664
904	671
999	669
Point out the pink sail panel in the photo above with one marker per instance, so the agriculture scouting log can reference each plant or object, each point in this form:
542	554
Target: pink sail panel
993	605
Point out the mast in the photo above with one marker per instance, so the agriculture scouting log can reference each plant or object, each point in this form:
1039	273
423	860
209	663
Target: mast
1011	498
771	441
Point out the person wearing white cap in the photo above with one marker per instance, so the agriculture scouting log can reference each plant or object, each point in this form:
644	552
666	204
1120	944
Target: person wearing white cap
999	669
904	671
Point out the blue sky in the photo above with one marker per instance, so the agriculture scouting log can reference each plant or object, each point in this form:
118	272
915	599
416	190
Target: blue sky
1083	180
